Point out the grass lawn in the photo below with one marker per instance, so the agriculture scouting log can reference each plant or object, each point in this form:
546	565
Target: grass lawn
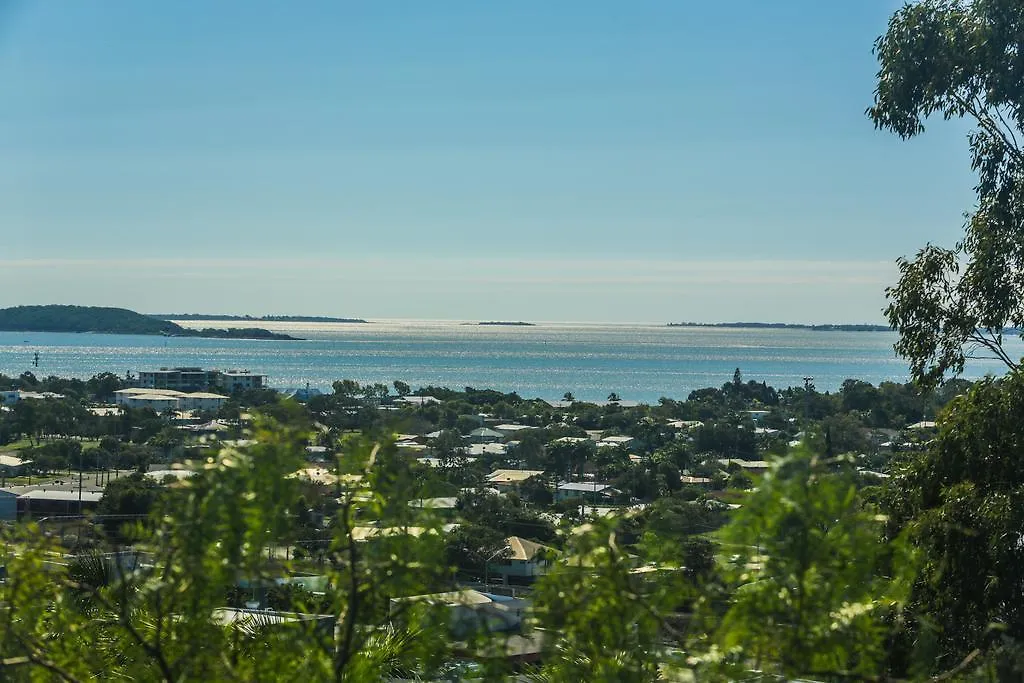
87	444
15	446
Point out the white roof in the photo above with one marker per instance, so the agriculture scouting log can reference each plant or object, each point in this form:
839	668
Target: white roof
11	461
446	503
205	394
484	431
62	494
487	449
511	427
437	462
160	475
417	400
588	486
142	390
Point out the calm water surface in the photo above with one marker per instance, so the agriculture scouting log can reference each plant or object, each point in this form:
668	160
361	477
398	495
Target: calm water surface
639	362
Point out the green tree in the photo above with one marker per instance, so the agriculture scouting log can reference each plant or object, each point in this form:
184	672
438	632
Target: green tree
810	597
962	503
959	59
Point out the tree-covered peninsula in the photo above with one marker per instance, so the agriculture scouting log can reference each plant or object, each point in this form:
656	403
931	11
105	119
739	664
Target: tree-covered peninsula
56	318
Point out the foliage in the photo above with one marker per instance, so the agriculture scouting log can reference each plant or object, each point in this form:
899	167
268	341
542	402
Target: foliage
962	503
810	596
960	59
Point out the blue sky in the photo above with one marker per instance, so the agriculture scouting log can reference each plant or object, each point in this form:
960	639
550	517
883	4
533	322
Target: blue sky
603	161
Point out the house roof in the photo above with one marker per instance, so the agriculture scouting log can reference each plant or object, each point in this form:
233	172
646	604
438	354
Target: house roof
62	494
588	486
487	449
745	464
511	427
446	503
523	549
512	476
452	598
484	431
143	390
11	461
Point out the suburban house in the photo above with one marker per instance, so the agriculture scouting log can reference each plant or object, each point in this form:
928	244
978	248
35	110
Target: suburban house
571	439
684	424
485	435
626	442
11	465
587	490
753	466
506	480
468	611
249	619
510	429
524	561
446	506
11	397
478	449
36	502
417	400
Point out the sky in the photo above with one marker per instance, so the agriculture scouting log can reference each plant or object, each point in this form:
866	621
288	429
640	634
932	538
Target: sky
567	161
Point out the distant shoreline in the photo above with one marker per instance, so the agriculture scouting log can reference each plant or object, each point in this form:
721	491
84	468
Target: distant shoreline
249	318
790	326
506	323
107	320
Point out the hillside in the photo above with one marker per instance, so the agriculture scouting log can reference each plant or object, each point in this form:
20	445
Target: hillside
56	318
83	319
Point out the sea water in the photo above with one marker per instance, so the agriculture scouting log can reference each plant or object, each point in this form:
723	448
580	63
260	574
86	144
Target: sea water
637	362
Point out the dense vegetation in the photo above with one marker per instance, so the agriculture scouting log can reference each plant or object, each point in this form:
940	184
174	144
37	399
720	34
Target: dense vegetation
82	319
55	318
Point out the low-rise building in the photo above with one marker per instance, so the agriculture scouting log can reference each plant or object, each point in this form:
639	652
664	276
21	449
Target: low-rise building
505	480
587	490
617	442
10	397
162	400
485	435
523	561
192	379
12	465
468	610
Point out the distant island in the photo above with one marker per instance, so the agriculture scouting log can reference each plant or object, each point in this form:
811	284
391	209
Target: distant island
510	323
792	326
54	318
262	318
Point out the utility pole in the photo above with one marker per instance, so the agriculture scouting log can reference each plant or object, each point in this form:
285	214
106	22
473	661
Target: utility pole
80	482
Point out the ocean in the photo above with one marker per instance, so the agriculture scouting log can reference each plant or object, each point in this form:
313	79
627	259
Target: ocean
637	362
